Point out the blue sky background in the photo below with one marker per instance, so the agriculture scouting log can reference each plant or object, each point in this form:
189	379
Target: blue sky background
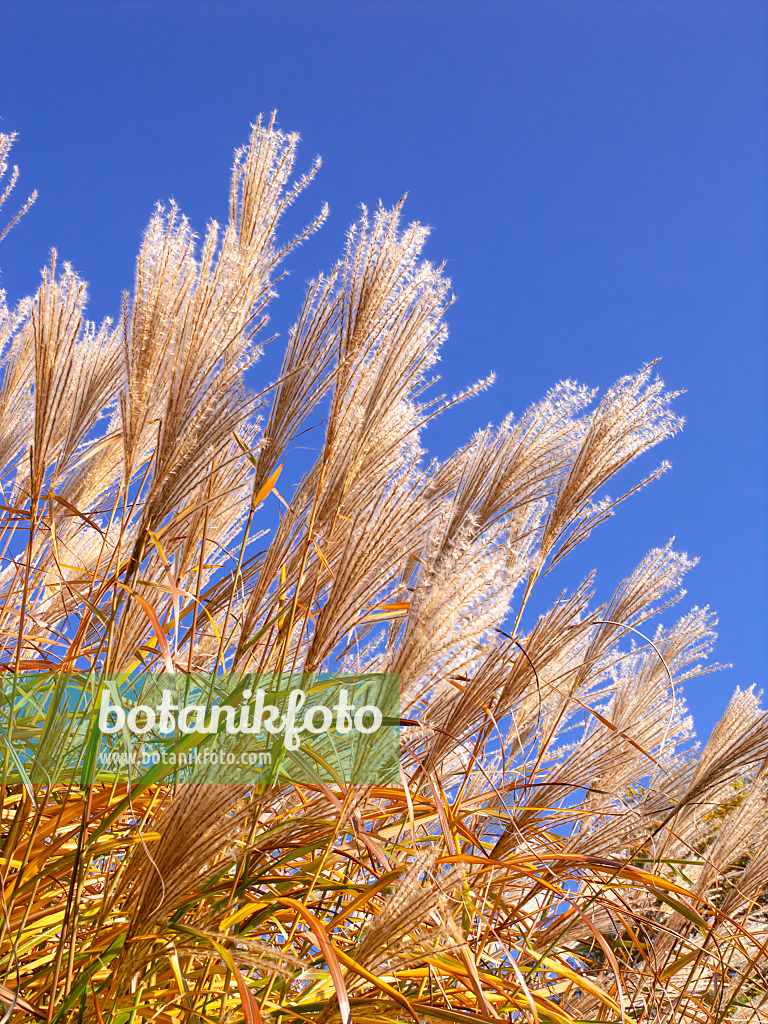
594	170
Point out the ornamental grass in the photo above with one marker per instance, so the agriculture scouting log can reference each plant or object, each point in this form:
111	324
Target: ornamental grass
556	849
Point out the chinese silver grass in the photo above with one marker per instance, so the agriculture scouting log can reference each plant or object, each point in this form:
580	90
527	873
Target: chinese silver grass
547	756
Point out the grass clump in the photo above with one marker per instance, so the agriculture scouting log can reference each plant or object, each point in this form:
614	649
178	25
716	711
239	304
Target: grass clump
555	849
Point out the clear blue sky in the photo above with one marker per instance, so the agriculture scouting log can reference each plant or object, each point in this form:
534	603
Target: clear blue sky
595	173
